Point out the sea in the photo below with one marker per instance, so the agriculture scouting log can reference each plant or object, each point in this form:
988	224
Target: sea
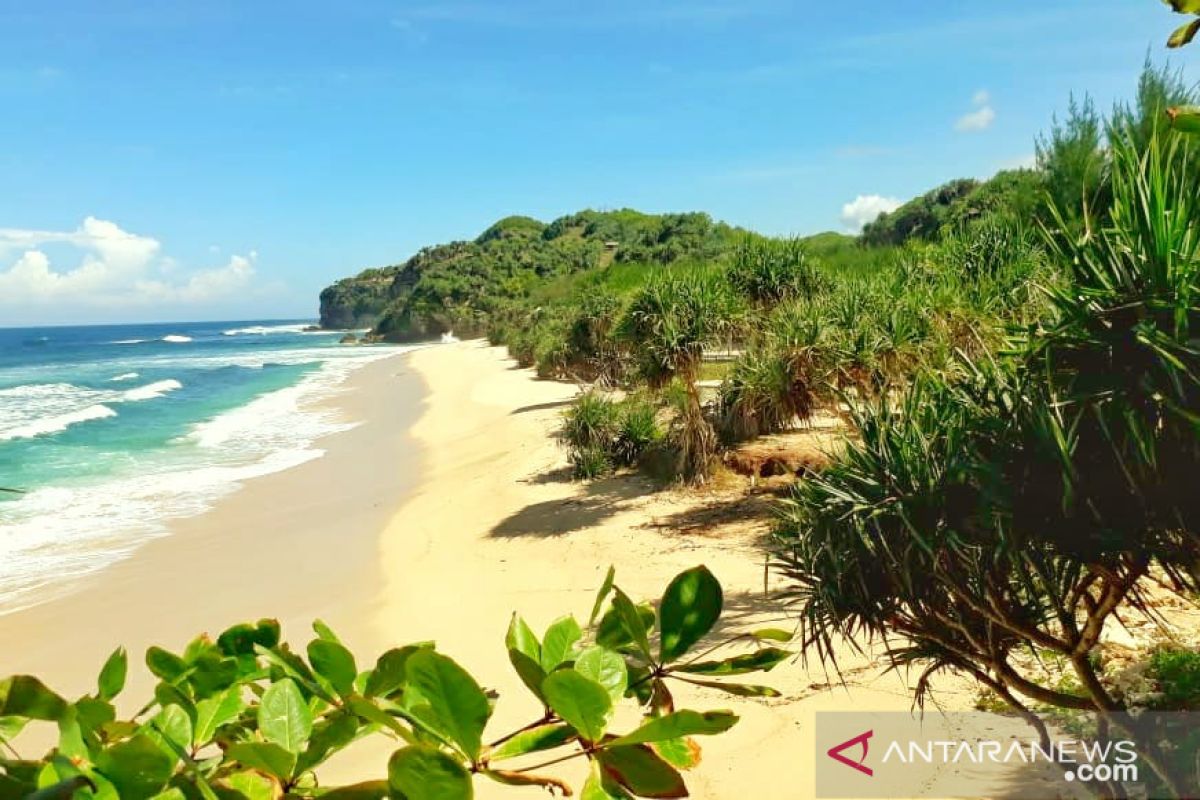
108	432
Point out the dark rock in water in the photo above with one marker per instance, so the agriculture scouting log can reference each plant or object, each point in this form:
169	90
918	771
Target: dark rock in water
349	338
312	328
370	338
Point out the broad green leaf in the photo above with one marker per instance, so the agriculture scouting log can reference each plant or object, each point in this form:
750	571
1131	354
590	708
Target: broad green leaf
633	622
529	671
11	726
173	727
137	767
165	665
1184	34
264	757
773	635
328	737
600	787
252	785
426	773
690	607
283	716
739	689
581	702
112	675
389	673
213	712
333	662
678	724
559	643
606	668
602	595
93	713
167	695
763	660
1185	118
294	667
369	712
369	790
63	790
240	640
324	632
612	633
679	753
543	737
26	696
520	637
70	738
1184	6
173	793
459	706
640	770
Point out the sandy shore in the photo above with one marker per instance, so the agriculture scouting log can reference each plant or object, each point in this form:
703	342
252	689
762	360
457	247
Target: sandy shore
295	545
493	524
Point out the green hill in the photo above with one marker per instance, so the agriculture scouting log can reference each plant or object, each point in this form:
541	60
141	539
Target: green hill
456	286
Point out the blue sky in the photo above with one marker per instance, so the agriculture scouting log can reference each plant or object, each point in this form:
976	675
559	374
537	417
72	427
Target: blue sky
227	159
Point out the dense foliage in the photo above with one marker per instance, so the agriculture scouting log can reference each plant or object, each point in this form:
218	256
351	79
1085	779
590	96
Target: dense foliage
460	285
247	718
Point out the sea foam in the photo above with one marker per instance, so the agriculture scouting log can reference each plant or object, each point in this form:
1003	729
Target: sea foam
56	424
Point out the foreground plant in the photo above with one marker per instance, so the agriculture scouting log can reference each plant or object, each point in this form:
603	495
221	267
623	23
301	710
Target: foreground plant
247	718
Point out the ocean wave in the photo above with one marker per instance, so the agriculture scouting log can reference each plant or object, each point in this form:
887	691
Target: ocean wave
176	338
56	424
124	376
131	341
152	390
263	330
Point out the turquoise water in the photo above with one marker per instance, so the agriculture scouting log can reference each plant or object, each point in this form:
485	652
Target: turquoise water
110	431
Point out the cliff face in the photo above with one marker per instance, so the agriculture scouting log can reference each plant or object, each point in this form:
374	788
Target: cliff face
459	285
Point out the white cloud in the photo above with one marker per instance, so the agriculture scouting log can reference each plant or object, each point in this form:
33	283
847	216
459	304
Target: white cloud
116	269
866	208
981	118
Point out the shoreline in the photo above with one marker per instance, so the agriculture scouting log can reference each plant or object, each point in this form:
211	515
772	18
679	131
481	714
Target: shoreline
261	551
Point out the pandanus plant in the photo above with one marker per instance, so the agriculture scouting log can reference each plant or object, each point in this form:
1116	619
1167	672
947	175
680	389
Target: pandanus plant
1023	508
668	324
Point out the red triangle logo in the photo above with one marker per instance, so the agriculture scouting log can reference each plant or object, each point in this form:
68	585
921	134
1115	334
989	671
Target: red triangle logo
835	752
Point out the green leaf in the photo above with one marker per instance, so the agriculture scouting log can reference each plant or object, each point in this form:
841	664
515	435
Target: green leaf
324	632
112	675
389	673
678	724
333	662
679	753
459	706
165	665
529	671
640	770
283	716
1185	118
690	607
264	757
26	696
559	642
600	787
738	689
581	702
172	727
1184	34
633	623
426	773
773	635
373	714
213	712
606	668
520	637
369	790
611	631
328	737
251	785
240	640
763	660
543	737
602	595
173	793
10	727
63	790
1184	6
137	767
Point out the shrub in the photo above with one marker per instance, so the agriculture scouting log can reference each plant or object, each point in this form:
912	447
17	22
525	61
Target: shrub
637	430
591	421
769	390
769	271
245	716
590	463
